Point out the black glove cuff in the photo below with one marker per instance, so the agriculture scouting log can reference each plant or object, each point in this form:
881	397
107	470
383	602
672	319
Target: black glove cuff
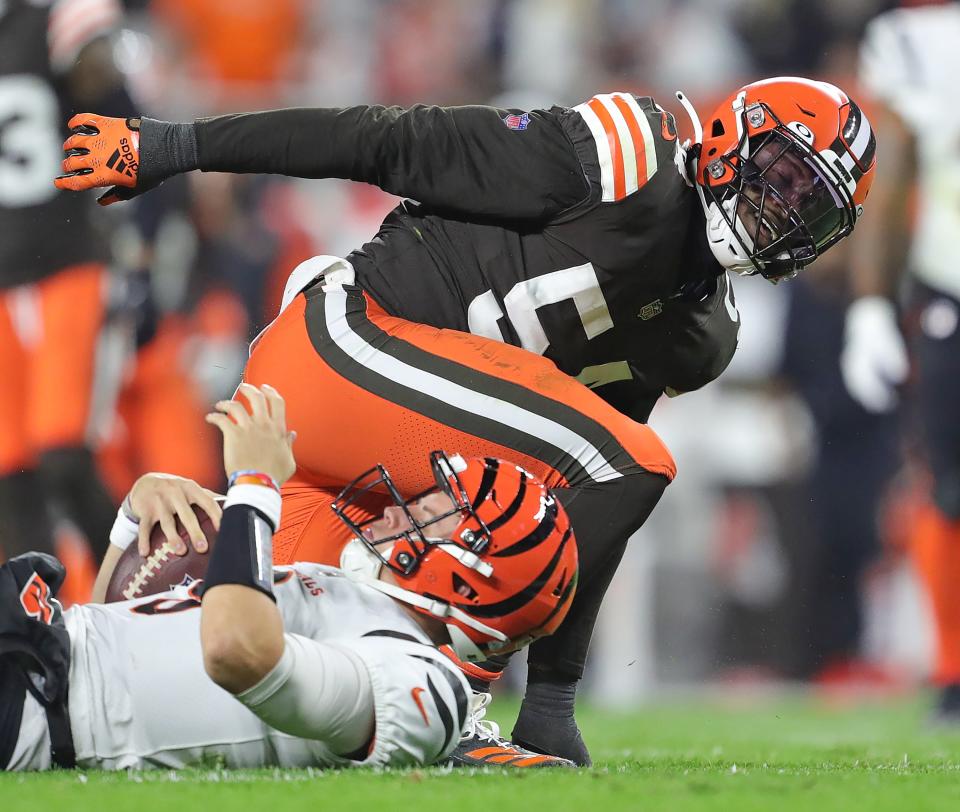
243	553
166	149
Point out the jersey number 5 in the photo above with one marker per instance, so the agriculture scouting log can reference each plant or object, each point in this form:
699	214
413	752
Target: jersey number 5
524	299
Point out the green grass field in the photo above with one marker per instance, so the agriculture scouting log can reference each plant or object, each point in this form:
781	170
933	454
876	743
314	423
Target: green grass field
779	755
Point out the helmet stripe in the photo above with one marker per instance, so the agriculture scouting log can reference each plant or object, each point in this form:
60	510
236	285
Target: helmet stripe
568	591
532	539
512	508
858	141
524	596
490	468
862	140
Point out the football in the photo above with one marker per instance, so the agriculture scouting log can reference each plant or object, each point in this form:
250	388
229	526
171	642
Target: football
136	576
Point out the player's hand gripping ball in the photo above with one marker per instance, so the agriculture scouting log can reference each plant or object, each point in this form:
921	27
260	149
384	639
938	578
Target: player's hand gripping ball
178	522
162	568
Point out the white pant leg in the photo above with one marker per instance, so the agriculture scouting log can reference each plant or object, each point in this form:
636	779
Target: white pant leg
32	750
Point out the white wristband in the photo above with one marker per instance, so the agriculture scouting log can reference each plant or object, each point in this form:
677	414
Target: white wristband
264	499
124	531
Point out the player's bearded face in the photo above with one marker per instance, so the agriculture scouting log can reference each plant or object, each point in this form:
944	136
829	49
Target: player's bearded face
424	510
784	193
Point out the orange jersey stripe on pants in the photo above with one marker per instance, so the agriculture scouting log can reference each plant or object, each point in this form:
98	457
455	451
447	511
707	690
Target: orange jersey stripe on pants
363	388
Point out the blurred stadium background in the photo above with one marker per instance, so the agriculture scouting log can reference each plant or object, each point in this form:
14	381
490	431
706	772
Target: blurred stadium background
781	553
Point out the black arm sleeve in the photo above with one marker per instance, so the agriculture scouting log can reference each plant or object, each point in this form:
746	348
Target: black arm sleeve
243	554
457	159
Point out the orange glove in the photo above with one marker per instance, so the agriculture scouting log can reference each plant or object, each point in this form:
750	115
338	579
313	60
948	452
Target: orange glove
102	152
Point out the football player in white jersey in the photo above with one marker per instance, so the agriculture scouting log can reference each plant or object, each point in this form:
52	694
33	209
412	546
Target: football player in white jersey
909	63
294	666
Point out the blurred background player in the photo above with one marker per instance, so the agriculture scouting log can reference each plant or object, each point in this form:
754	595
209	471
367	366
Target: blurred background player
103	325
54	281
909	61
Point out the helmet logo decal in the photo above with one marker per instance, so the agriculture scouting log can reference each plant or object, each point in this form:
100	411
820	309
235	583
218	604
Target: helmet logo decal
546	501
802	130
835	163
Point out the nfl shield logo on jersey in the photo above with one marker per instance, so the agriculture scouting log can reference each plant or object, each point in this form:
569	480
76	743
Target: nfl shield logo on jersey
517	122
648	311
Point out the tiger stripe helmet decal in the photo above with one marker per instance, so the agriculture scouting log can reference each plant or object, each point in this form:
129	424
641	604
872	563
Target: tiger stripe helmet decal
505	575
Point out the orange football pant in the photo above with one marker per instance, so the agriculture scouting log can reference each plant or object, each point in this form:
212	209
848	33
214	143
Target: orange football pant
48	336
159	424
363	387
936	555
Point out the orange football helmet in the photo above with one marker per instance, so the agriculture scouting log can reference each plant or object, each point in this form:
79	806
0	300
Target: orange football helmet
504	576
784	168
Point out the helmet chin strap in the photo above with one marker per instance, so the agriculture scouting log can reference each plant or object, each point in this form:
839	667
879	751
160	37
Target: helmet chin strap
465	557
362	566
723	243
463	646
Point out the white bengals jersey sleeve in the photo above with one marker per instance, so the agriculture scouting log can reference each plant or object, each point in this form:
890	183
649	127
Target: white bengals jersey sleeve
140	698
908	61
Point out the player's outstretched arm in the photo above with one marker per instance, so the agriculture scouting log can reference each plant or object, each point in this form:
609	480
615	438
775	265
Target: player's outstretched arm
476	160
241	630
472	159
